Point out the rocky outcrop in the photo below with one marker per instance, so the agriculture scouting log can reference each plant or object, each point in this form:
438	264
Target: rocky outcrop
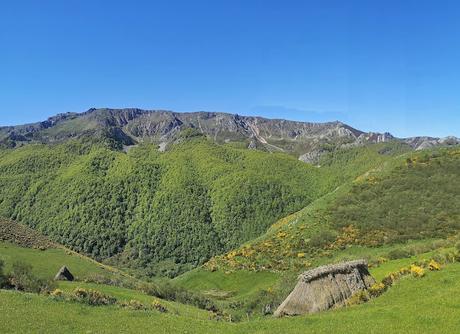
326	287
130	126
420	143
312	157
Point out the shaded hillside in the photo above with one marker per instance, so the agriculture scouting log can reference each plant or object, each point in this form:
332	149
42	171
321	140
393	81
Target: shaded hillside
23	236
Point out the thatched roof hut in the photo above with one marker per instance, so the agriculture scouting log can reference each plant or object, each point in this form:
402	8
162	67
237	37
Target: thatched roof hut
325	287
64	274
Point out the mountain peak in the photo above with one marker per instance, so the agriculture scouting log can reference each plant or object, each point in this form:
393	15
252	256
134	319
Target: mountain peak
127	126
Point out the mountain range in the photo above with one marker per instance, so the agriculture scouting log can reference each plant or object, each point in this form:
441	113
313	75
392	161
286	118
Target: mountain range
127	127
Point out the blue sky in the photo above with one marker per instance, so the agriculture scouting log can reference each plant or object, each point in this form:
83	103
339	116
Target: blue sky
376	65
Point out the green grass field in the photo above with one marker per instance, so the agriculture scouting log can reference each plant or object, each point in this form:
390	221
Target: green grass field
423	305
412	305
46	263
238	284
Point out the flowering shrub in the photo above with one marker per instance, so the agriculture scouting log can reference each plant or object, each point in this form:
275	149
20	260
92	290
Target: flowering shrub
404	271
92	297
417	271
134	305
57	293
159	307
281	234
377	289
433	265
388	280
359	297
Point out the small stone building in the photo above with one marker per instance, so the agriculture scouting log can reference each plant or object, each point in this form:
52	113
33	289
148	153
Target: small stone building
325	287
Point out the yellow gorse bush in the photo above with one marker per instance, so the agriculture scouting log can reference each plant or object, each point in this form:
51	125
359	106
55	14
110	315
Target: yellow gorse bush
417	271
377	289
159	307
433	265
281	234
57	293
358	298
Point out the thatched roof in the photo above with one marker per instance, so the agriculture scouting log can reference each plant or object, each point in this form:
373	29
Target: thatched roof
64	274
326	287
344	267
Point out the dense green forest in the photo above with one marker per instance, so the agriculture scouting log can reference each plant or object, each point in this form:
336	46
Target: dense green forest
174	209
419	198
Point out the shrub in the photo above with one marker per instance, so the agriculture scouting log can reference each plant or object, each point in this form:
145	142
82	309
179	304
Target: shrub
433	265
115	280
451	257
441	244
57	294
166	290
457	246
440	258
419	249
2	275
377	289
404	271
156	305
92	297
417	271
359	297
21	278
134	305
398	253
391	278
322	238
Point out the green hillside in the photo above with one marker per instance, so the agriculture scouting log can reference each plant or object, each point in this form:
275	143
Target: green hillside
411	197
174	209
164	212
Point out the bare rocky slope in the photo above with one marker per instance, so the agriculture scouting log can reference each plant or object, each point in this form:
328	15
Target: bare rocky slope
125	127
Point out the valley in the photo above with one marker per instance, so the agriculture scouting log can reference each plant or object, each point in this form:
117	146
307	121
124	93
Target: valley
210	236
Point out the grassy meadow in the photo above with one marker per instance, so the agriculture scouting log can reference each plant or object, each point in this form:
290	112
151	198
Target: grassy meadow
413	305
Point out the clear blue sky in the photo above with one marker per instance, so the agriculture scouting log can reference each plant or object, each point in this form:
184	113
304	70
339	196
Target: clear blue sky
377	65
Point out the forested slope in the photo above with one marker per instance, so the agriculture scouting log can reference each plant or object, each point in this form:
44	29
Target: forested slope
175	209
412	196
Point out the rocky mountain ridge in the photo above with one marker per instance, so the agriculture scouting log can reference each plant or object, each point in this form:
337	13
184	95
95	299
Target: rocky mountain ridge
129	126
